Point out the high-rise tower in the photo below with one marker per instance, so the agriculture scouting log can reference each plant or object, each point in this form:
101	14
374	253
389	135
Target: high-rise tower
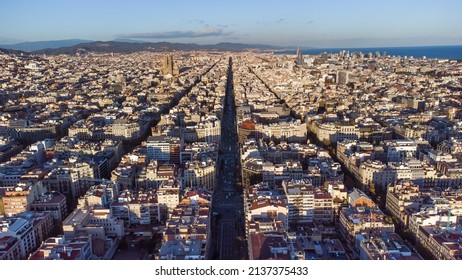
299	60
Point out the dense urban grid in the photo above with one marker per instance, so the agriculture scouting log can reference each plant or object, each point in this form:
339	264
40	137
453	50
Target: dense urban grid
230	155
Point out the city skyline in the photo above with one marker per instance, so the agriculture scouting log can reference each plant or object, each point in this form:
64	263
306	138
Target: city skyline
217	154
300	23
247	150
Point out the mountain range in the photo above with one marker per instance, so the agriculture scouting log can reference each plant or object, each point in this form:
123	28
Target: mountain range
40	45
73	46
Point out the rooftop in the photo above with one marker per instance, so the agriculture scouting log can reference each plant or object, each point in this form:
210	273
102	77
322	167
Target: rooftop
182	249
50	198
269	247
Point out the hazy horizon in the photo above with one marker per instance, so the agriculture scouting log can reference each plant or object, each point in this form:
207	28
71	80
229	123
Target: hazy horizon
314	24
247	43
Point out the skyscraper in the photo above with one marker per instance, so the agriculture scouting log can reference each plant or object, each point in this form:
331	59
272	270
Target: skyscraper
299	60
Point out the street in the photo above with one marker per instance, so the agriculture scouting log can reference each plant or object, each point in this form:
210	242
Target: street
227	203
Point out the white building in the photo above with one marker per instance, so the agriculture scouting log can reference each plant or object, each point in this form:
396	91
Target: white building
168	197
163	148
398	150
300	201
199	174
20	236
291	131
333	132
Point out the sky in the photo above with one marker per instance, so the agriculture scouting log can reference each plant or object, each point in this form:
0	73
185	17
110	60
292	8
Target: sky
304	23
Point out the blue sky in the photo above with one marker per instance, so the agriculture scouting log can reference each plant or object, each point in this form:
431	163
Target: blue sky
306	23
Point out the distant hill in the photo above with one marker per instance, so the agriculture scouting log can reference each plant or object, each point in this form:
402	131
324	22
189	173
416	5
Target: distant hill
129	47
239	46
129	41
10	51
40	45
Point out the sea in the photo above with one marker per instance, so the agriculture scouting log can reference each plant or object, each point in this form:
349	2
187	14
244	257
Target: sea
440	52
